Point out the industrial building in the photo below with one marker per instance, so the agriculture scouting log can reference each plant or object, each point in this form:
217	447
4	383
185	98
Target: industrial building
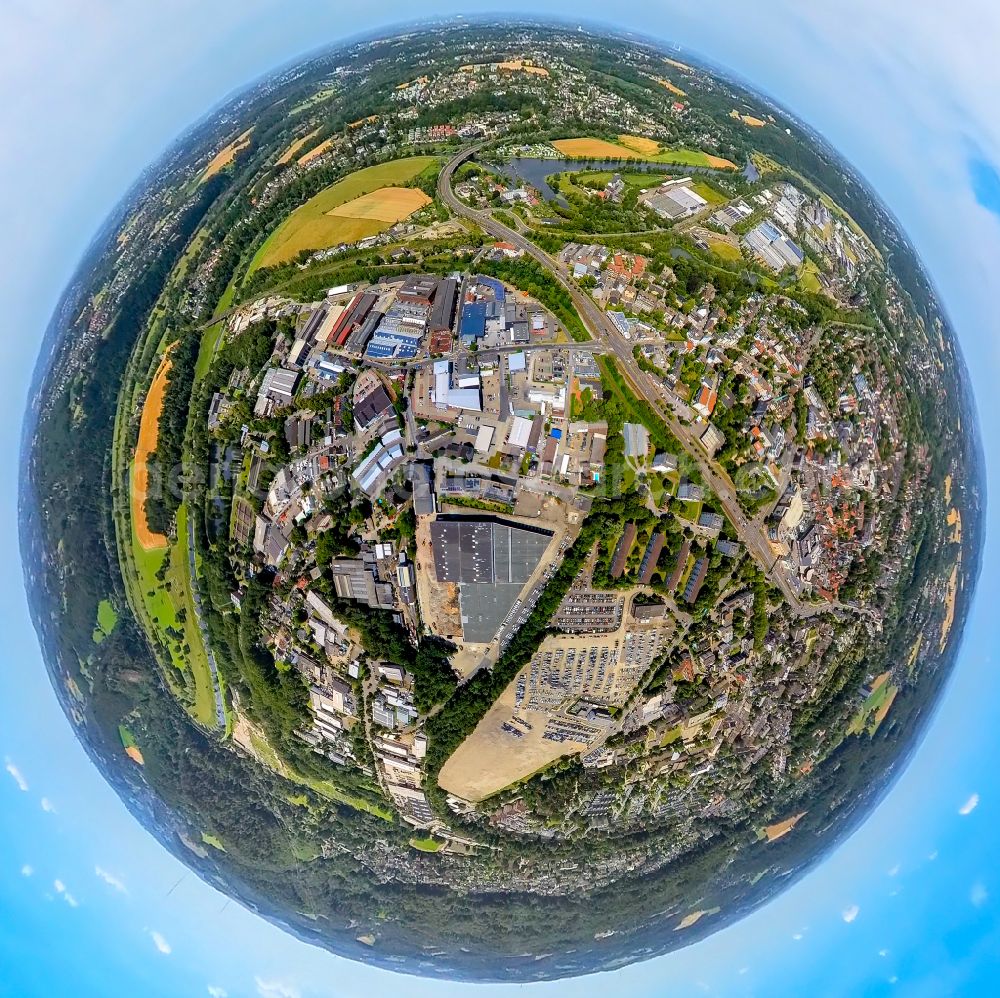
770	245
491	560
675	202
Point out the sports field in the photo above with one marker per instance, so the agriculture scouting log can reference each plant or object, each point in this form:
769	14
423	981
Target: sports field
362	204
224	157
149	430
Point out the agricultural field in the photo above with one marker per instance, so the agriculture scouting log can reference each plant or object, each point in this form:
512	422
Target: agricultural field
635	146
289	154
149	430
312	154
592	149
643	146
225	156
875	708
129	744
781	828
672	87
318	224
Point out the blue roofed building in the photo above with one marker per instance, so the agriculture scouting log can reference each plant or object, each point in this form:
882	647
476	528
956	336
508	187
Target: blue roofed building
499	291
473	324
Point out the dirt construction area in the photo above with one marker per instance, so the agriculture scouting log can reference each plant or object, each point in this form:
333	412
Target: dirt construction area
149	429
438	601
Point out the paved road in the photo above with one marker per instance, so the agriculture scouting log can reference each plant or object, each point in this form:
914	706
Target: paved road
609	339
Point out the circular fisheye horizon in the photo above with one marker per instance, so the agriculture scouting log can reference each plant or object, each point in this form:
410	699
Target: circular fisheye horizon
506	500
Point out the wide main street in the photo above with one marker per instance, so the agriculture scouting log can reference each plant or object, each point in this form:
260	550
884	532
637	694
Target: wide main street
600	327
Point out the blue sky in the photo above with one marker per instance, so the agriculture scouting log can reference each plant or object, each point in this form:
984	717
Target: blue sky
90	92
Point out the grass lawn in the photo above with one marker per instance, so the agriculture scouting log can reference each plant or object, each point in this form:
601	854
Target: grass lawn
206	352
226	301
708	192
809	277
106	620
314	227
162	612
725	249
426	845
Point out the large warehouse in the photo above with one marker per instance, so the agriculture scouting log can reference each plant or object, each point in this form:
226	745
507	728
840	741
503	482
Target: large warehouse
491	560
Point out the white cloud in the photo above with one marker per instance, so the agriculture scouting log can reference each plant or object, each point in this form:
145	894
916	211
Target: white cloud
215	991
883	953
60	889
849	914
797	936
893	871
932	855
27	870
978	895
970	805
110	879
276	989
160	943
47	806
22	783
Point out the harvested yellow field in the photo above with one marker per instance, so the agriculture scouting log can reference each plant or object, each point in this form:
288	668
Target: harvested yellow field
511	66
519	66
955	521
363	121
315	153
688	920
781	828
224	157
949	604
672	87
879	716
914	652
591	149
719	163
643	146
682	66
387	204
880	681
318	224
289	154
947	490
149	431
135	755
749	119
